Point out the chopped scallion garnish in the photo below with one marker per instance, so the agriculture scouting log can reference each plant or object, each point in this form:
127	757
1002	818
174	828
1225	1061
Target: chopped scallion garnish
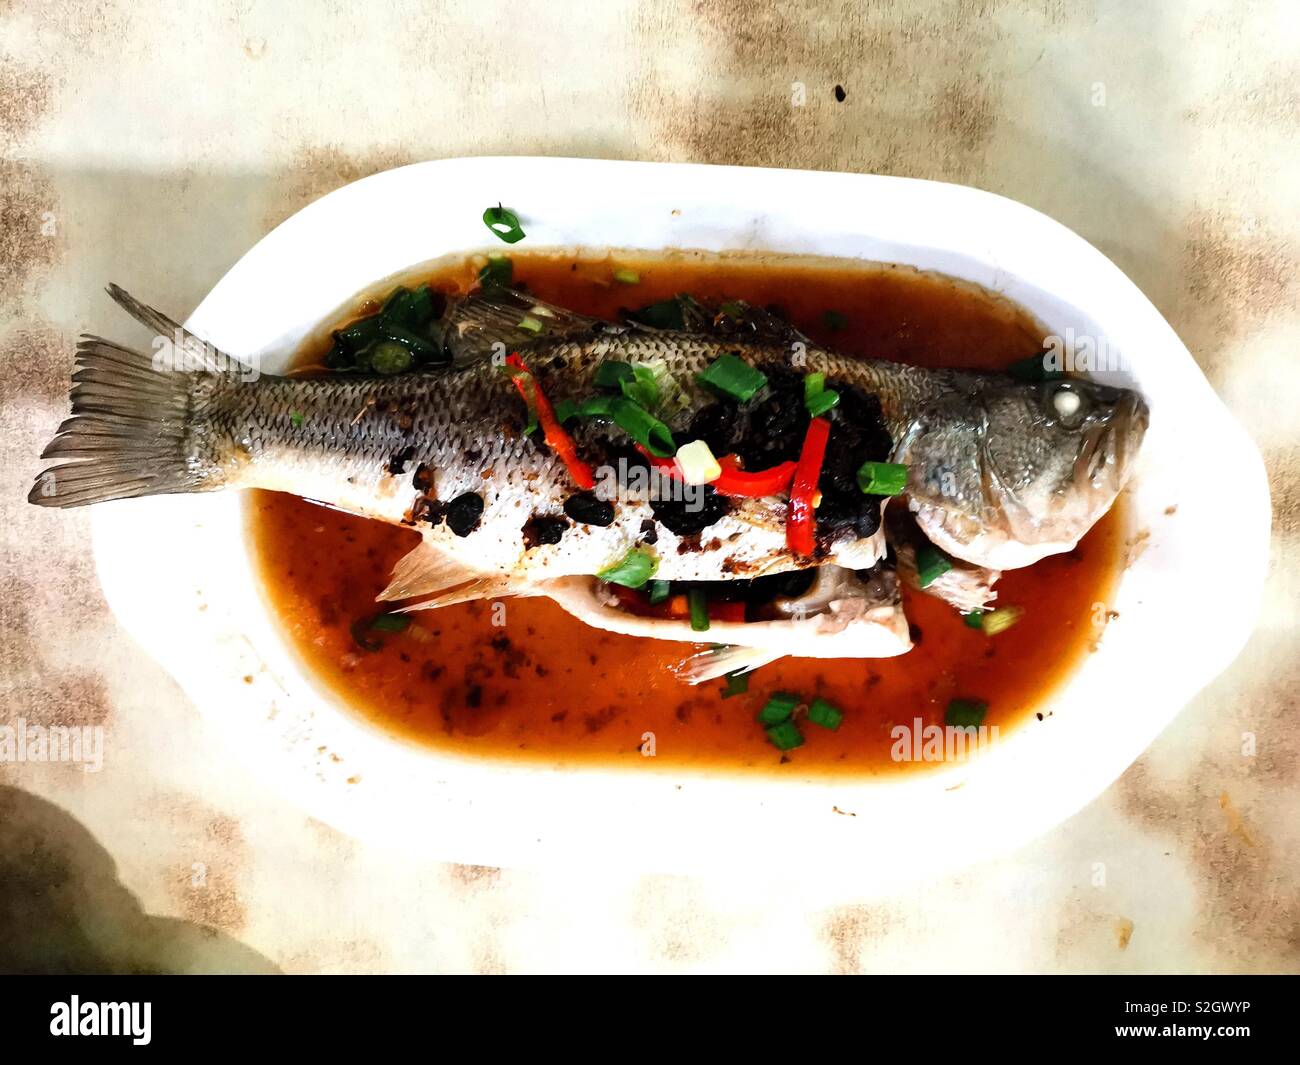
931	564
659	591
642	426
499	272
882	478
296	419
1000	620
825	714
778	708
390	357
965	713
974	620
737	684
530	324
785	736
632	570
733	377
612	374
699	607
816	396
624	276
504	223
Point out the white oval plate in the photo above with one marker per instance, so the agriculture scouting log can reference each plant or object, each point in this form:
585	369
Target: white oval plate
163	559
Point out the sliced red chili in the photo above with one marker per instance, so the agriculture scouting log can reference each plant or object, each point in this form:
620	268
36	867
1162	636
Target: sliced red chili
800	524
556	436
737	482
733	481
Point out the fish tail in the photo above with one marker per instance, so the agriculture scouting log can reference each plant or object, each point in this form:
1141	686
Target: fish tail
132	425
127	433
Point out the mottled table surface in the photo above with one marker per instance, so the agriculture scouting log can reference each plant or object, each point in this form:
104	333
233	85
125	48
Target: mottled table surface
153	143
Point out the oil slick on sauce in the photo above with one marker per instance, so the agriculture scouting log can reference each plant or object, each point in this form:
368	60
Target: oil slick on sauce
520	679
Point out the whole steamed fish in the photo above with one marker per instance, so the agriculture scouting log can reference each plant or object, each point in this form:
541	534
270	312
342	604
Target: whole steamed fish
1000	473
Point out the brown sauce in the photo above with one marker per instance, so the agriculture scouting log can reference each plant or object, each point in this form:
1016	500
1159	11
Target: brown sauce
521	680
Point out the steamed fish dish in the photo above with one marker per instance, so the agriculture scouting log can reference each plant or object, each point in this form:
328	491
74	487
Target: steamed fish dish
717	473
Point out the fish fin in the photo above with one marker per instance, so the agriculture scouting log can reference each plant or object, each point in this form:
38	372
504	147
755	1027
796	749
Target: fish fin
426	570
127	434
196	352
710	665
472	326
478	588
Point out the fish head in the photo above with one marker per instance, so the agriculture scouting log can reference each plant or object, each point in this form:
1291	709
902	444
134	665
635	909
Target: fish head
1005	473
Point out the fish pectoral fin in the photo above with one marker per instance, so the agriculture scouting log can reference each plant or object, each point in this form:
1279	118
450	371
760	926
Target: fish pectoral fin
478	588
429	574
424	571
471	327
710	665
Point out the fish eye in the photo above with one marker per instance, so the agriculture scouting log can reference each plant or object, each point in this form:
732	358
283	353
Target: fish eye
1066	402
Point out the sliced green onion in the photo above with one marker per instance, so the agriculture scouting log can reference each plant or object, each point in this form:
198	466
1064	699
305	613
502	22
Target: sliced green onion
498	273
612	374
390	357
530	324
566	409
816	396
296	419
624	276
778	708
699	604
964	713
931	564
737	684
834	320
643	388
1033	369
642	426
632	570
390	622
359	334
666	314
825	714
418	344
733	377
822	402
504	223
974	620
882	478
597	407
659	591
419	308
1000	620
785	736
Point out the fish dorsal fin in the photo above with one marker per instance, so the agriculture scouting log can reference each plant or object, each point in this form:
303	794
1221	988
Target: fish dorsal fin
732	318
190	351
472	326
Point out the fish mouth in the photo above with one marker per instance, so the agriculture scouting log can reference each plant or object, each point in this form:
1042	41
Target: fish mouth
1105	459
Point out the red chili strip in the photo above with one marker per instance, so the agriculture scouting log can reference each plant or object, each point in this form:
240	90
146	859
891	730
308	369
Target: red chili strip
733	481
799	526
556	436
